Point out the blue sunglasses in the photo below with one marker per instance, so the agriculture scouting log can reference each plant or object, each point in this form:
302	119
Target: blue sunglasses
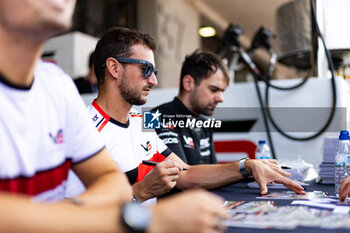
149	69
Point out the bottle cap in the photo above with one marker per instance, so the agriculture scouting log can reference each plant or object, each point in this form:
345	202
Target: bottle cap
344	135
264	142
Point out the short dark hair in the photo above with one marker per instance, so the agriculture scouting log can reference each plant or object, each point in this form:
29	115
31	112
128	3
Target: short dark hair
117	42
200	65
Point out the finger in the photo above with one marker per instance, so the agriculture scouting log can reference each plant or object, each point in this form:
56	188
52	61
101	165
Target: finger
210	223
345	191
175	163
216	207
344	194
170	164
208	204
172	184
219	225
172	171
262	185
343	184
281	172
341	188
180	167
173	178
166	163
290	184
278	169
275	167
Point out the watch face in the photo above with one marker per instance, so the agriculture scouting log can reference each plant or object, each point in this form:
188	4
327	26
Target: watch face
136	216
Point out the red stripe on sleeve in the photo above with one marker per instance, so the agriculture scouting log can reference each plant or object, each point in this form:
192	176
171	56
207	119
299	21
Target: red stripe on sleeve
40	182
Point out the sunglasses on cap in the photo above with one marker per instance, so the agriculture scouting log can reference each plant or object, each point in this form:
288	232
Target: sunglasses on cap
149	69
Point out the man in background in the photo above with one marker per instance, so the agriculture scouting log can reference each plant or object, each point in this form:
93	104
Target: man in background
204	78
88	83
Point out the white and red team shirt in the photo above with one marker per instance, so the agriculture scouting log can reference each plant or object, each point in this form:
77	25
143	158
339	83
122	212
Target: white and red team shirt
128	143
44	129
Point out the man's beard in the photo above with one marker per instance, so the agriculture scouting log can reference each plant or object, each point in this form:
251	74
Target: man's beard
129	95
199	109
202	110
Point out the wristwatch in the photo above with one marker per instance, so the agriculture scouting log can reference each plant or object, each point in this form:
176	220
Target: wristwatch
242	168
135	217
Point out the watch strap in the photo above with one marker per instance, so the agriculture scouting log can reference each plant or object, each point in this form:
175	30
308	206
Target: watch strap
135	217
242	168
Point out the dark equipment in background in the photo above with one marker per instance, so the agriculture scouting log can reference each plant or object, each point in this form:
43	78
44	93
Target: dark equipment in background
261	39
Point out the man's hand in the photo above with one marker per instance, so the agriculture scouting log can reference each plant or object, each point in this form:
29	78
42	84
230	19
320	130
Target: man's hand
193	211
273	164
344	189
264	174
160	180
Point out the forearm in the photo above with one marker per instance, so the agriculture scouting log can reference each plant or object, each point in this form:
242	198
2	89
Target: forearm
209	176
105	183
111	188
20	214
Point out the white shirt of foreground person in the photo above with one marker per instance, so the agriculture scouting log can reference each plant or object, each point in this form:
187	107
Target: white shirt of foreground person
44	129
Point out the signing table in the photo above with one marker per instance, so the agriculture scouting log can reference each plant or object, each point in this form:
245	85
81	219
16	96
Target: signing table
241	192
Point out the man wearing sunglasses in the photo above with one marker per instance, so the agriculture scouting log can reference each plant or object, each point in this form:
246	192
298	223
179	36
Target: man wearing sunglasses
148	68
124	66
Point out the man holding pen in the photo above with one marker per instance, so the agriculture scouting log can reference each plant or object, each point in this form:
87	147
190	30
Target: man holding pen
125	69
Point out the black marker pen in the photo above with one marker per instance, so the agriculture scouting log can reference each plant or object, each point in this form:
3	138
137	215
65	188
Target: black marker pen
152	163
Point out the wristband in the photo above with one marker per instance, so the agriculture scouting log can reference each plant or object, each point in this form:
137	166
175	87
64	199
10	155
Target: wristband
242	168
135	218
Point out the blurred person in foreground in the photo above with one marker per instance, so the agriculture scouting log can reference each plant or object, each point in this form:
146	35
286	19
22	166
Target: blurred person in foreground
45	130
125	69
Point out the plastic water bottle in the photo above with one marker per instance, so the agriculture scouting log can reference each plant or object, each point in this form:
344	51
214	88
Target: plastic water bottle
263	151
342	157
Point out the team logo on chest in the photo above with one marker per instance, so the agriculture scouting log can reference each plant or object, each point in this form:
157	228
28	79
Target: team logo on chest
58	138
189	142
147	147
95	118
